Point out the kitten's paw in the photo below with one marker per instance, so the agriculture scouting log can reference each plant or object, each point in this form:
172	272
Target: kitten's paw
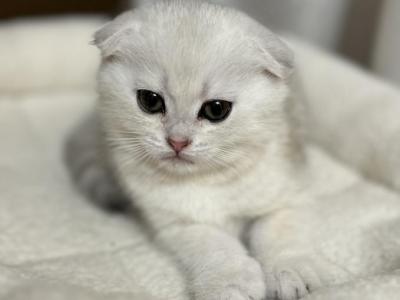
291	280
239	281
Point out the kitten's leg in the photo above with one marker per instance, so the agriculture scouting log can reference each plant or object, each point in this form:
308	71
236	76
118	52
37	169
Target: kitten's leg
292	266
353	234
216	264
89	168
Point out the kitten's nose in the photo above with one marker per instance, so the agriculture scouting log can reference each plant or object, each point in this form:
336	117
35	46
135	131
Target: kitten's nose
178	144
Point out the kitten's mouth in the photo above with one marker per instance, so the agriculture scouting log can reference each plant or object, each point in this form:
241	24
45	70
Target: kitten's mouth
178	158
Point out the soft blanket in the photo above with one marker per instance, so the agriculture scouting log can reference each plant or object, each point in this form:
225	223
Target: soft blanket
56	245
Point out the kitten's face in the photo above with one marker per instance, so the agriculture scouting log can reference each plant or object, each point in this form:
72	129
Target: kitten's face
182	103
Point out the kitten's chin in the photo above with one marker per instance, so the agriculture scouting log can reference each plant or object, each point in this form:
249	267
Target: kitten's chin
178	159
177	165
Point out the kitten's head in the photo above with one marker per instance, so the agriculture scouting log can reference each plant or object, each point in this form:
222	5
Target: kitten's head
189	87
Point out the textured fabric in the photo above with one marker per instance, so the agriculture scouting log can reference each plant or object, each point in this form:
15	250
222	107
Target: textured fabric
56	245
376	288
48	53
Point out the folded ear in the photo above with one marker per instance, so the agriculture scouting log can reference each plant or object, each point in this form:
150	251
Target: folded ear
108	38
277	58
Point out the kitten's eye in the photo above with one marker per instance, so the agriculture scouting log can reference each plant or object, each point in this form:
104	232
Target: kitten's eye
150	102
215	110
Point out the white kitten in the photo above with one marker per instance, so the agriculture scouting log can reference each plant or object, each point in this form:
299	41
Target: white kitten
197	126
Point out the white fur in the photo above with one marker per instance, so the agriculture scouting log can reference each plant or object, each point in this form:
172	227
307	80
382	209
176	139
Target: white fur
364	121
248	171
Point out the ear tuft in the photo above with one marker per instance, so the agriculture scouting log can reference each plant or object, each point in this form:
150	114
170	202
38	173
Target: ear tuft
278	59
108	37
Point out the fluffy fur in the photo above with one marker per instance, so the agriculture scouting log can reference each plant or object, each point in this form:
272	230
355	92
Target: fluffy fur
249	181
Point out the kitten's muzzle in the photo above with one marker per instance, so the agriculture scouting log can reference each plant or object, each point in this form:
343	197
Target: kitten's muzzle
178	144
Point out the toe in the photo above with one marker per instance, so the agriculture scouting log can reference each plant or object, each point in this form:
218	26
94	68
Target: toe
291	284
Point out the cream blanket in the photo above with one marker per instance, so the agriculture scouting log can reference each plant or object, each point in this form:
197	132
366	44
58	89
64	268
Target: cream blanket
56	245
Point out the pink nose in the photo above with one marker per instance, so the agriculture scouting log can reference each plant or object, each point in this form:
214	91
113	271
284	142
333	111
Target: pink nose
178	145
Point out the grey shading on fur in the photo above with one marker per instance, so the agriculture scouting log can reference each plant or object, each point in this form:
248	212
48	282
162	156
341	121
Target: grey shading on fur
89	169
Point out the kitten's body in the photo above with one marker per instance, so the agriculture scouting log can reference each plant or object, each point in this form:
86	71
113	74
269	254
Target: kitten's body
247	175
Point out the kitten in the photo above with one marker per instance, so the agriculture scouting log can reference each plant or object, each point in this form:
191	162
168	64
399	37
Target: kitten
196	123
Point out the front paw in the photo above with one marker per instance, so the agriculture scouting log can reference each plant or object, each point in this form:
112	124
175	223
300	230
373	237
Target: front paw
238	279
292	279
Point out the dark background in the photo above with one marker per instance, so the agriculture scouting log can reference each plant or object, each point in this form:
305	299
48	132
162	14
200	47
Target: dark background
24	8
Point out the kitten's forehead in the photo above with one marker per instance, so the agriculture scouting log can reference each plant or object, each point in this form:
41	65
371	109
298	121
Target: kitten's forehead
196	58
193	43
